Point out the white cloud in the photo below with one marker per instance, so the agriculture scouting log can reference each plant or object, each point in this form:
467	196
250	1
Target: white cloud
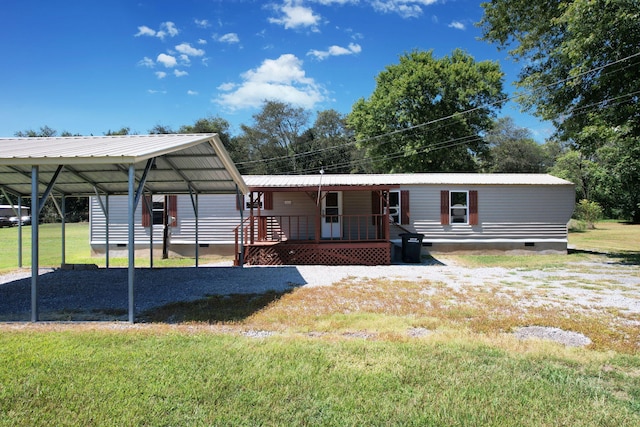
167	60
229	38
146	62
281	79
457	25
226	87
294	16
166	29
332	2
404	8
202	41
143	30
192	92
187	49
202	23
179	73
160	74
336	51
151	91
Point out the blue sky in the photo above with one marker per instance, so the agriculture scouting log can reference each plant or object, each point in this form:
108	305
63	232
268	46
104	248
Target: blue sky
88	66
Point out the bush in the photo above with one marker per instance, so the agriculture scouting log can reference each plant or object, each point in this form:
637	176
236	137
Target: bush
577	225
589	212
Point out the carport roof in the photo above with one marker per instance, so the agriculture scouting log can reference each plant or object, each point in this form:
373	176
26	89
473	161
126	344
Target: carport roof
181	164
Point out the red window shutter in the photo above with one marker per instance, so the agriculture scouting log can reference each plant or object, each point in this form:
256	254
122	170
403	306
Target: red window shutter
444	207
268	200
473	207
146	214
405	213
375	206
173	210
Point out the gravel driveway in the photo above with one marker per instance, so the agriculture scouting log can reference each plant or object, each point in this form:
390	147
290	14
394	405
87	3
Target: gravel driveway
605	285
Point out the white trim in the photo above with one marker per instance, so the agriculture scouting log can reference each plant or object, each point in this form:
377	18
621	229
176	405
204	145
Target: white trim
534	240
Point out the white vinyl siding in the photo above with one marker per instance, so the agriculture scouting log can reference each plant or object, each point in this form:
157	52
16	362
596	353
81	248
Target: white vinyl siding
217	221
504	212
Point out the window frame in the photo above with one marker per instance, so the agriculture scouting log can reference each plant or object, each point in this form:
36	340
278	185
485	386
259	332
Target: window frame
465	207
398	207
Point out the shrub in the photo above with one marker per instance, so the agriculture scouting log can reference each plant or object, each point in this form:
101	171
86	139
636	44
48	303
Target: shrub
577	225
589	212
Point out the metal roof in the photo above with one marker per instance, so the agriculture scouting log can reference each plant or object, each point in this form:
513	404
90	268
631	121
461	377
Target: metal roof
369	180
196	162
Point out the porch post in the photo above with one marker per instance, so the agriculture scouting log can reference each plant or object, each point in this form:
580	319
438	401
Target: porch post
318	232
385	194
251	219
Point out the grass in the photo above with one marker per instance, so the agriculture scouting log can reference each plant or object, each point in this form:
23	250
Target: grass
360	352
78	250
614	239
165	377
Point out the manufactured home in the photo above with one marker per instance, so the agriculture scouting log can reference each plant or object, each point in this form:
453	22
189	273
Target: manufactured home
351	219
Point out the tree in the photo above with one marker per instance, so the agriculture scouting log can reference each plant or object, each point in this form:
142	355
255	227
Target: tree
125	130
44	131
272	138
161	130
326	146
215	124
426	114
513	150
582	63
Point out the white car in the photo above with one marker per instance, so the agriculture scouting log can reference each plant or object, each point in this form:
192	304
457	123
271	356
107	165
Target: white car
26	220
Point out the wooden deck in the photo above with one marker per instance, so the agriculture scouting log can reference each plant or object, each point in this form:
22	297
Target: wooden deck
322	253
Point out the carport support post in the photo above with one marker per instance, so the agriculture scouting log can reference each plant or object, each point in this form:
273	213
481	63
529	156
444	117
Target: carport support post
20	232
63	213
132	252
35	213
106	232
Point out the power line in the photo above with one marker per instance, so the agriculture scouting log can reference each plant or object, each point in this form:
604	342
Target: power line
444	144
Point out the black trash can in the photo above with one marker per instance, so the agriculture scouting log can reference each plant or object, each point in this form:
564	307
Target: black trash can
411	247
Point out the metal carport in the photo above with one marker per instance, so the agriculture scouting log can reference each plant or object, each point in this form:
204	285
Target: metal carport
113	165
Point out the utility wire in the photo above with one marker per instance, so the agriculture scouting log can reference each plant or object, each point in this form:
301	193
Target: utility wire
445	144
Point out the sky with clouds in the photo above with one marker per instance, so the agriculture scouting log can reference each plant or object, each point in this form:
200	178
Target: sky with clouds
89	66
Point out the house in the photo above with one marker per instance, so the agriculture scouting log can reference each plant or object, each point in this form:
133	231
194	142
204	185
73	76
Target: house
356	219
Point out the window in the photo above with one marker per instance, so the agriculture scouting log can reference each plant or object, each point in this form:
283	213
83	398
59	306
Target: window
153	209
459	207
394	206
398	205
258	202
158	210
262	200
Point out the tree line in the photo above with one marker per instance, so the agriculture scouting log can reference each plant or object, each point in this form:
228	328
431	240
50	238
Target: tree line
429	114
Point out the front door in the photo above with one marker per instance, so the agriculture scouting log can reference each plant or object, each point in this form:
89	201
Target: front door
331	215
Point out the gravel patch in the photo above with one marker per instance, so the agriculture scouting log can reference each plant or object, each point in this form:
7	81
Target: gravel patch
106	290
568	338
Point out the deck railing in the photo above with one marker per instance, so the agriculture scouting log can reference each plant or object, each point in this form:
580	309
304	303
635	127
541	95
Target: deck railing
309	228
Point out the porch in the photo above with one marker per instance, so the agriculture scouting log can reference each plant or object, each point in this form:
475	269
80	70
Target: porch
323	234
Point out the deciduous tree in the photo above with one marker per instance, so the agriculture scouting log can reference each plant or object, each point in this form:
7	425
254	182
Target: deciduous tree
427	114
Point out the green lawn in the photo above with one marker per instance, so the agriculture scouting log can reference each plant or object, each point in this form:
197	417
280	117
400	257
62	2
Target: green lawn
165	378
354	364
78	250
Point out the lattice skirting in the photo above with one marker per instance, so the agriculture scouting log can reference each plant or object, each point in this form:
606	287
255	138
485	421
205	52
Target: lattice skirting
294	254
